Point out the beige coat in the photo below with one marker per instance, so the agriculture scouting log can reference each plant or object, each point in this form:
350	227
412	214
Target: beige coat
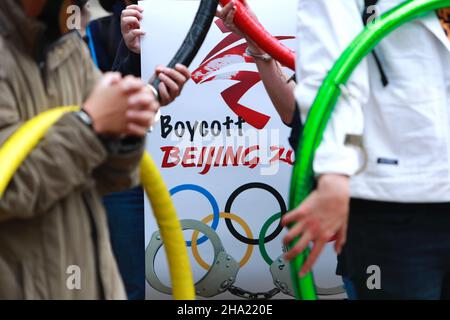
51	216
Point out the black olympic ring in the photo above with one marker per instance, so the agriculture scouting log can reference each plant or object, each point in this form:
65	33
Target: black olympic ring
235	194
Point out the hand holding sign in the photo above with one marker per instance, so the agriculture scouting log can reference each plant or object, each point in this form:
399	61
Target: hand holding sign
249	25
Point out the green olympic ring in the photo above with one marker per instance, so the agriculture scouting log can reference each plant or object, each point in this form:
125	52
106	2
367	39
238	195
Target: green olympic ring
303	175
262	235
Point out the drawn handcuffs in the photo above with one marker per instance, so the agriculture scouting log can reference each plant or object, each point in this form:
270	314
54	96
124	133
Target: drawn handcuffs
223	272
220	277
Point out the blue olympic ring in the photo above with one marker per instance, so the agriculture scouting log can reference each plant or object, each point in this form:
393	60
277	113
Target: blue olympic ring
211	199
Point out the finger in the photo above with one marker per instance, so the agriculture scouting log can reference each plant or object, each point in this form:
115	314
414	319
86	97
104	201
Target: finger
159	69
128	24
136	130
135	7
232	13
183	70
305	208
293	216
132	13
229	18
176	76
149	102
131	84
141	118
300	246
141	101
154	105
131	22
137	33
164	94
111	78
172	86
225	10
294	232
312	257
341	239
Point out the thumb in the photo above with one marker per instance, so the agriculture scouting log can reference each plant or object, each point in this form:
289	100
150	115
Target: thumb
111	78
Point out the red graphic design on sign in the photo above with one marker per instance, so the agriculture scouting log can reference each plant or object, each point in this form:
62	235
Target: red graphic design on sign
218	59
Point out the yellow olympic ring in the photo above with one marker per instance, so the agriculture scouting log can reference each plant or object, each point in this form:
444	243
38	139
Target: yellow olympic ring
223	215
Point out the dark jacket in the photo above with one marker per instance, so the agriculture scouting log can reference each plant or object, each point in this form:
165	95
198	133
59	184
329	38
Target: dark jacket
127	62
104	36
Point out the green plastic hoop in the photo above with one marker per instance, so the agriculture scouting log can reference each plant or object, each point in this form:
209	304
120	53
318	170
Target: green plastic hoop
302	182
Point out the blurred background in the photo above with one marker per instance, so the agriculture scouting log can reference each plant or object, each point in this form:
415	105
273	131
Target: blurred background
96	10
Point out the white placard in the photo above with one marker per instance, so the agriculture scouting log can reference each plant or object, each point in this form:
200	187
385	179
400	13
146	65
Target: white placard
204	121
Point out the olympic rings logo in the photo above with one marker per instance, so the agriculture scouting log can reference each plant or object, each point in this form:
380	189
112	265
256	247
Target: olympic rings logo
229	217
221	275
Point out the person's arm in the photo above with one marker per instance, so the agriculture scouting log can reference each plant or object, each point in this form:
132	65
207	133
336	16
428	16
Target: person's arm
326	28
71	151
62	162
276	83
128	57
120	169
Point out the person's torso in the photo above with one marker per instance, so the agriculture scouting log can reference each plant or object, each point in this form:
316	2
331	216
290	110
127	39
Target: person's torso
407	122
38	255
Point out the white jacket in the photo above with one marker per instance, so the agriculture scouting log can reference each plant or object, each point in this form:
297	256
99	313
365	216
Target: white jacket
405	127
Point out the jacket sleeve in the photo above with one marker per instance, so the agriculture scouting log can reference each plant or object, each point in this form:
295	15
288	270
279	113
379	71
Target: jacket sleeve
120	170
127	62
325	29
63	161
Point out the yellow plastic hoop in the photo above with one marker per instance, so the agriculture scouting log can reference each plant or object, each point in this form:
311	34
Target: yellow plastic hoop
16	149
